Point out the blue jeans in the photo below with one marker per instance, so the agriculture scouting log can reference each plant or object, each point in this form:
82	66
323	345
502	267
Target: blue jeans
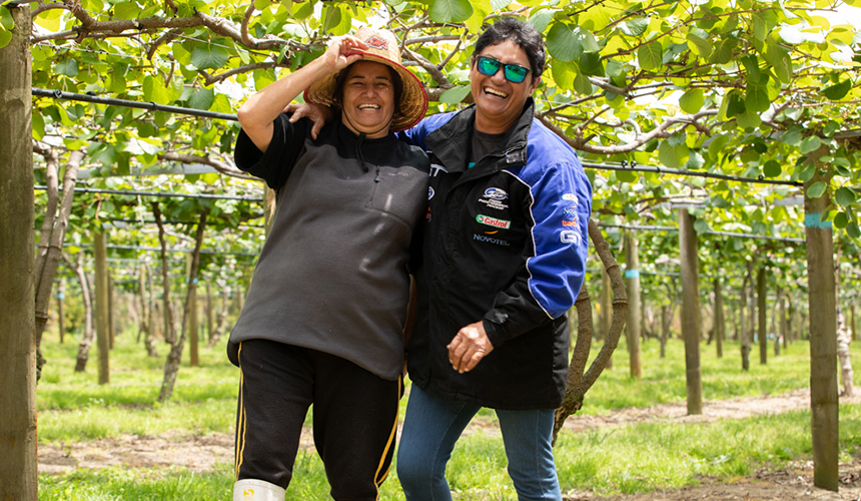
433	425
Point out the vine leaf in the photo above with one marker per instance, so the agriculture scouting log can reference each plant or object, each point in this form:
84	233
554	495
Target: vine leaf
450	11
563	43
838	91
817	189
209	57
692	101
650	56
455	94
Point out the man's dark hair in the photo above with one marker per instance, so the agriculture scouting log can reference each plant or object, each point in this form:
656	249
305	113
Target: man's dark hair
523	34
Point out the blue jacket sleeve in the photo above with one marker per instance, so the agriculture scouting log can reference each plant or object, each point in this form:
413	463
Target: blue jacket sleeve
548	283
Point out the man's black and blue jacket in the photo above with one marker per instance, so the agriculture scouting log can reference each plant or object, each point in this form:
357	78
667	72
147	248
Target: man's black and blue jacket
505	242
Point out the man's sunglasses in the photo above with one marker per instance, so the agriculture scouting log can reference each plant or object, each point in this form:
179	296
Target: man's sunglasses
513	72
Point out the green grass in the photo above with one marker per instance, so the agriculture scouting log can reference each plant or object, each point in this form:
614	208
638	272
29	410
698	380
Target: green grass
722	378
639	458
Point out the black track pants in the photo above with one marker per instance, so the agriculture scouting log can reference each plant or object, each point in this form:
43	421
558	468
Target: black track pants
355	417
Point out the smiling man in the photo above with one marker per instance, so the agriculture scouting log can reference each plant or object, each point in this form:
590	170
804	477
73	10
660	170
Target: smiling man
504	256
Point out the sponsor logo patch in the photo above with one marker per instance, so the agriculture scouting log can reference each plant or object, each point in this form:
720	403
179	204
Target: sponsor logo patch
495	194
490	240
570	237
570	197
573	224
492	221
494	198
430	192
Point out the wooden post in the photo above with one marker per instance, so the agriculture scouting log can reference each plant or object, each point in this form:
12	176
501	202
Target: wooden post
822	306
719	318
18	470
632	325
744	338
784	325
111	305
102	306
61	294
761	317
690	315
209	325
194	352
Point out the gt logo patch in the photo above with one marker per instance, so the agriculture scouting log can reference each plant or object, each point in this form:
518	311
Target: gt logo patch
570	237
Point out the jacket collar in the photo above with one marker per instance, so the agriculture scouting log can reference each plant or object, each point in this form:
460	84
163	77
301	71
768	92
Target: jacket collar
451	142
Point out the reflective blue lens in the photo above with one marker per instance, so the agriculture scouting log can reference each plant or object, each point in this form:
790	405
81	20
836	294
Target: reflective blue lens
513	72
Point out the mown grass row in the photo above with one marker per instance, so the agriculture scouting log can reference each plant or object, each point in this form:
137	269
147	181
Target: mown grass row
74	408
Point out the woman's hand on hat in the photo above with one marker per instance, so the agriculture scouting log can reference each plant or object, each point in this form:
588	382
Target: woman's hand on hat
342	51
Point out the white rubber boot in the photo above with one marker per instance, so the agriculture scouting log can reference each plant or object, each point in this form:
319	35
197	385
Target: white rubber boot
251	489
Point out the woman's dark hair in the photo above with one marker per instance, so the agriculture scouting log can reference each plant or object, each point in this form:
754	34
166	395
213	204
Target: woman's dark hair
523	34
341	79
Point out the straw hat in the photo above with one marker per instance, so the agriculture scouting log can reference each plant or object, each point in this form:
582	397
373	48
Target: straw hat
383	48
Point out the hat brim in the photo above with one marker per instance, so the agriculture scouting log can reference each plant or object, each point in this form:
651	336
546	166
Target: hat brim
413	103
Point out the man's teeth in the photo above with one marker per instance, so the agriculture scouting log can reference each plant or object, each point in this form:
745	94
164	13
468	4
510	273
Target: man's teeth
369	106
495	92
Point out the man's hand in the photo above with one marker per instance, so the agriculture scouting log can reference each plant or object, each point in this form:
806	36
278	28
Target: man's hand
468	347
318	114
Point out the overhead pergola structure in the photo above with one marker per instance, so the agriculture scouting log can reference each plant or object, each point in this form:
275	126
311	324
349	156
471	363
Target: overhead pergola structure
761	54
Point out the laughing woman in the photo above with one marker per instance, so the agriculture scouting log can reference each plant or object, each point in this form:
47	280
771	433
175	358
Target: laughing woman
324	319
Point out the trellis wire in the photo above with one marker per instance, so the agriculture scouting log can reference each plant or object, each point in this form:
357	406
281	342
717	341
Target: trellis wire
203	196
624	166
710	232
71	96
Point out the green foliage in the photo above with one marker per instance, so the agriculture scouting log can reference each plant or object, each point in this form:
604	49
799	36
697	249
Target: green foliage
618	72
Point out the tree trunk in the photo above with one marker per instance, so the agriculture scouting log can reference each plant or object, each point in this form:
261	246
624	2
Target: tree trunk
690	311
852	323
606	307
18	469
87	335
792	321
171	366
761	317
578	381
632	326
221	318
719	324
102	307
51	236
822	305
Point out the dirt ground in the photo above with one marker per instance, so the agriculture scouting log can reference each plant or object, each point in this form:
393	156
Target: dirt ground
795	482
